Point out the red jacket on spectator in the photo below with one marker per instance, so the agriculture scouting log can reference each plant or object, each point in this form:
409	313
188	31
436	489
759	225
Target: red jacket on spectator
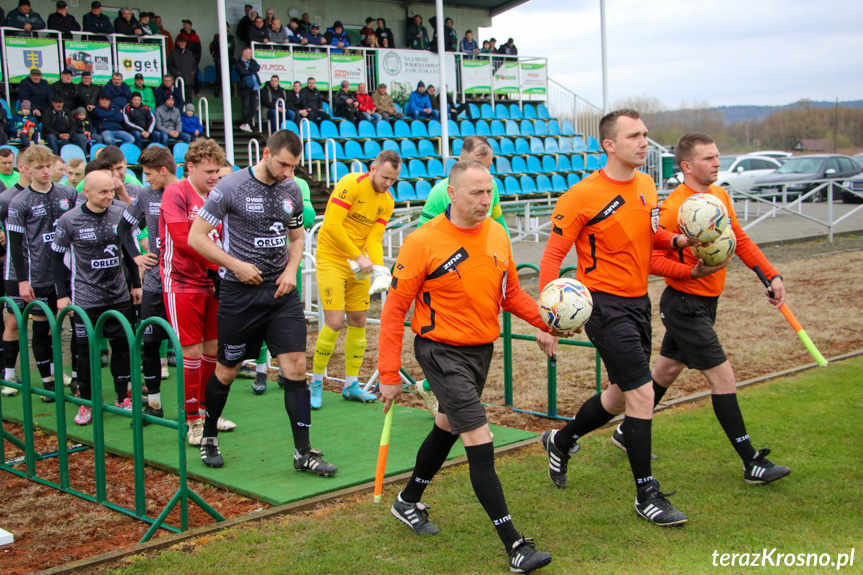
365	102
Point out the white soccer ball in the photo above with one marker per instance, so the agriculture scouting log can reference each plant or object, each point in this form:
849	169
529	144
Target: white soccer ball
719	249
702	217
565	304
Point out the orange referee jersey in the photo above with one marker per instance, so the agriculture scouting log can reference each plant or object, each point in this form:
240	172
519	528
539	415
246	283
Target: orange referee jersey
613	225
675	265
458	279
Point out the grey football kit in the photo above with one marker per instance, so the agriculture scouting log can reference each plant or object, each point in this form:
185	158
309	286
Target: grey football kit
9	277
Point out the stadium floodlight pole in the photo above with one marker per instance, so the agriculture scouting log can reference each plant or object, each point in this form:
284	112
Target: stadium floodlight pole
604	57
382	453
225	64
796	325
444	109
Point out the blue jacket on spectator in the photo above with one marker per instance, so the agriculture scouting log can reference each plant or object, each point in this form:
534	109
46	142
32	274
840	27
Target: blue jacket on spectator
468	47
161	93
39	94
108	119
192	123
315	41
335	37
17	19
417	101
120	95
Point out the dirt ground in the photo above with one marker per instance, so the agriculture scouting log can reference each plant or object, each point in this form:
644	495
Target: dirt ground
823	286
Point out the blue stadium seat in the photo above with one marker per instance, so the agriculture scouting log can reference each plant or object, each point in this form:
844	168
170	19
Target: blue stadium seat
563	164
435	168
497	129
450	162
474	111
405	172
418	130
553	128
495	146
131	152
401	129
519	166
434	129
353	150
94	151
422	189
526	128
335	148
314	150
603	159
482	128
511	186
503	166
592	163
549	165
558	183
572	179
486	113
499	183
501	112
179	171
593	145
551	146
366	129
179	151
70	151
417	168
491	169
329	110
454	132
292	126
566	128
536	146
338	171
566	145
512	128
542	112
456	146
577	161
534	166
426	149
543	184
507	148
405	191
371	149
347	130
408	149
235	78
540	128
208	76
307	128
328	130
515	112
578	145
467	128
521	146
529	112
391	145
384	130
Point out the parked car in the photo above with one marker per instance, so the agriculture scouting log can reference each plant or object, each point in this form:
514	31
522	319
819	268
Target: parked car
856	184
799	174
775	154
738	172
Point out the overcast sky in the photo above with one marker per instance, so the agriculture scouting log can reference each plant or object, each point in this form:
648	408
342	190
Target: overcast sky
727	52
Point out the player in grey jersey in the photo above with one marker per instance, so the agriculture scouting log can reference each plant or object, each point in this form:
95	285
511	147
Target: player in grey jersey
30	227
89	233
261	211
143	212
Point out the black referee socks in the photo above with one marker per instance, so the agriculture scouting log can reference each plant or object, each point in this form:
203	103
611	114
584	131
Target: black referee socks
590	416
638	438
486	485
299	407
216	396
658	392
42	348
431	455
728	413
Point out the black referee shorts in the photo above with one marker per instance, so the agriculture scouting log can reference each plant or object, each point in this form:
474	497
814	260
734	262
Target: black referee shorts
153	305
12	291
47	294
249	315
689	334
457	376
620	329
113	328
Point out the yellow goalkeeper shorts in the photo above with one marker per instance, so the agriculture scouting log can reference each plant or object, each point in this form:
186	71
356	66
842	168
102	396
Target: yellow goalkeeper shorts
339	289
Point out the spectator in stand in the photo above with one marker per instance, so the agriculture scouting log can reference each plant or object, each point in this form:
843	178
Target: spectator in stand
37	91
367	29
4	128
384	34
452	110
147	96
217	57
169	38
485	47
62	21
270	94
127	24
169	121
193	41
145	19
75	171
294	103
384	104
258	32
418	36
191	124
492	45
141	122
449	34
372	41
345	104
66	90
25	18
182	64
315	38
468	44
419	106
277	33
269	16
313	102
118	91
431	92
96	22
305	23
85	128
244	25
509	48
58	126
58	169
296	35
168	87
248	85
366	104
110	123
88	92
338	38
25	127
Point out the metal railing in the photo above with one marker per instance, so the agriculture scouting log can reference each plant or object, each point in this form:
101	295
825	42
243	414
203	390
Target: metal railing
253	143
204	114
330	165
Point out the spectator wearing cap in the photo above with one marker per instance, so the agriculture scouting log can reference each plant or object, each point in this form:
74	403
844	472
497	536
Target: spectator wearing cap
169	38
37	91
244	25
271	93
367	29
468	44
168	87
88	92
147	96
344	103
66	90
109	122
277	33
248	86
58	126
127	24
169	121
182	64
384	104
191	124
509	48
62	21
193	41
118	91
419	105
418	36
96	22
25	18
85	127
315	38
144	19
258	31
384	34
141	122
296	35
25	127
367	105
338	38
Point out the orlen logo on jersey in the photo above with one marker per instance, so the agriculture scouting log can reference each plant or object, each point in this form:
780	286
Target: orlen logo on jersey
111	262
48	238
276	242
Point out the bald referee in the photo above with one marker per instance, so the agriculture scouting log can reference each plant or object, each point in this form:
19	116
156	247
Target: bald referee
458	271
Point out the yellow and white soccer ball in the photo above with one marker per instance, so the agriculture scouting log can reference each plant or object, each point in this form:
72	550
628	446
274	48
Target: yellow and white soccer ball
565	304
719	249
702	217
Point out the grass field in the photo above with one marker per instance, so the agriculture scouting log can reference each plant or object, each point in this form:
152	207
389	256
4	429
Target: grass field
812	422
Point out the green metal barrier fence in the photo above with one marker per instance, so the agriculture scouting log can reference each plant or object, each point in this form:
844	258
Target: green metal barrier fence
94	335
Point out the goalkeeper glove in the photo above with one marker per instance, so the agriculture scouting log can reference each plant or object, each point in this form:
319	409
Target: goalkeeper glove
382	280
359	274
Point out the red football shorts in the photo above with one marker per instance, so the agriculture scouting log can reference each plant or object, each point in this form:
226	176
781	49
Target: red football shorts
192	315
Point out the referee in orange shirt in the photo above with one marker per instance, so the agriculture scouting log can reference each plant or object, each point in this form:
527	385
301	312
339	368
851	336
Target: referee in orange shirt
458	270
612	218
688	309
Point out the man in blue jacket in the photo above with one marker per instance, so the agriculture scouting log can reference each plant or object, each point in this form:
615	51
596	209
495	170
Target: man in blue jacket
168	88
24	18
96	22
338	38
109	122
37	91
118	91
419	105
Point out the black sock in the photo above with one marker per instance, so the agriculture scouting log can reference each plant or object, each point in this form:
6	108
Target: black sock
658	392
728	413
216	397
486	485
637	434
121	368
431	455
299	407
42	348
85	385
590	416
73	352
152	366
10	354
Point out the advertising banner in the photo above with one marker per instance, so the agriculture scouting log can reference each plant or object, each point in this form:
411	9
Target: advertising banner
275	63
476	76
534	78
506	78
93	57
401	70
312	65
143	59
24	54
350	67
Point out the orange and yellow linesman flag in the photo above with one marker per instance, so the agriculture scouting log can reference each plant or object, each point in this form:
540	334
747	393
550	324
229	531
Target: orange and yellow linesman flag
382	454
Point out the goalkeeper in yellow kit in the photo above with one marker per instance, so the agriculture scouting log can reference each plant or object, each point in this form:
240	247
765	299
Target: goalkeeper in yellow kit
349	250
